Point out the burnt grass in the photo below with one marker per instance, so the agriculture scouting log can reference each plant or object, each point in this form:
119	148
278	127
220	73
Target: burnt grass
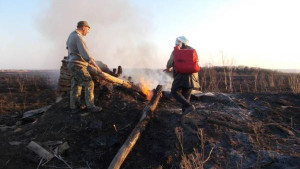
242	130
26	90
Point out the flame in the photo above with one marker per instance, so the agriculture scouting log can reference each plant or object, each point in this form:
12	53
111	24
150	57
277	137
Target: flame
145	89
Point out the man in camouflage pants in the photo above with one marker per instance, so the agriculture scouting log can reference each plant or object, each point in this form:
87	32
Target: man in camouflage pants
79	58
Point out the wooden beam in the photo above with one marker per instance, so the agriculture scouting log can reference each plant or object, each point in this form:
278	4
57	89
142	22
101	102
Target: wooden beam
112	79
115	80
136	132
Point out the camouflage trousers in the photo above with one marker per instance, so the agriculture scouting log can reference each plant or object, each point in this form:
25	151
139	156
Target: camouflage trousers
80	77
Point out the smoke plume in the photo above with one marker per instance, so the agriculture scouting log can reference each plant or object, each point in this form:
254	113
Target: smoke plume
118	34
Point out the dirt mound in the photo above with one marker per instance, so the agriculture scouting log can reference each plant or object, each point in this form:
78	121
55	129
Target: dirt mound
225	131
93	137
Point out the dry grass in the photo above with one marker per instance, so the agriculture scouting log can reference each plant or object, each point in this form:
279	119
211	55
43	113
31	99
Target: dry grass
22	91
232	79
196	159
294	82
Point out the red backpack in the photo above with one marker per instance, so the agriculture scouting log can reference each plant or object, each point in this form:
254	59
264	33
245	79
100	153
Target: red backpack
185	60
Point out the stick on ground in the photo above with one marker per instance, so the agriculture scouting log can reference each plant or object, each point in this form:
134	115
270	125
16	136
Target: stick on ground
135	134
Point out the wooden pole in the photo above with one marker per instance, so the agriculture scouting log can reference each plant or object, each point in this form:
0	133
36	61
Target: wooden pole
124	83
115	80
136	132
112	79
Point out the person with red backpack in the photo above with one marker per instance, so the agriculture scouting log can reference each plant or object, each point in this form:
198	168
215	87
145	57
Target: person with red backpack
184	62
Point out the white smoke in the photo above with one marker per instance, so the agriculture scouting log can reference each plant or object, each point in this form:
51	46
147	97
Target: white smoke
118	36
151	77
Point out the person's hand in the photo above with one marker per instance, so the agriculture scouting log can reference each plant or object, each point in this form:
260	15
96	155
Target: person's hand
99	70
167	70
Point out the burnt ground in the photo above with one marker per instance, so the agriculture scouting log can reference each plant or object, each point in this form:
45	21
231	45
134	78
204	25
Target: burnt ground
242	130
26	90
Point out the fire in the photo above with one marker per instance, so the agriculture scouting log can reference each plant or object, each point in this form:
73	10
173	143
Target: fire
145	89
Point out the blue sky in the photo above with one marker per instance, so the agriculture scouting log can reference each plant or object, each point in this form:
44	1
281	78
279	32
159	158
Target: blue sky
141	33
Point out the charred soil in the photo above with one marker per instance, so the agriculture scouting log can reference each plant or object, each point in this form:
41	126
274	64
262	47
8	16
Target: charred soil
225	131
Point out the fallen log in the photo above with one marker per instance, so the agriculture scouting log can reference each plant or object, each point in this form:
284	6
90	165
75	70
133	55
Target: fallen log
136	133
115	80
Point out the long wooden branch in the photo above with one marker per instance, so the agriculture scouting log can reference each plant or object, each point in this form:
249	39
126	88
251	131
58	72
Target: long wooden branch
112	79
124	83
115	80
139	128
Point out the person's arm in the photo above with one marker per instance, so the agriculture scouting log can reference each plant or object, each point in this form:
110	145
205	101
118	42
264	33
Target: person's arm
93	63
170	64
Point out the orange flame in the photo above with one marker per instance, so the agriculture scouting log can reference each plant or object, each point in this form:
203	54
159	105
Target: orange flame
145	89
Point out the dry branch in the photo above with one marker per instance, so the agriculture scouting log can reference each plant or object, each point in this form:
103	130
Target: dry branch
112	79
115	80
139	128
